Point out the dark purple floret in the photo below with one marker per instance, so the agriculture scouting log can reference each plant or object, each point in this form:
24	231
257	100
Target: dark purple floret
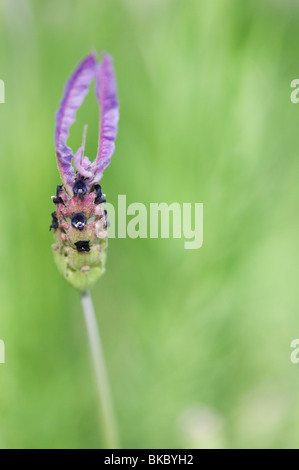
54	223
79	220
83	246
100	197
107	223
80	188
57	199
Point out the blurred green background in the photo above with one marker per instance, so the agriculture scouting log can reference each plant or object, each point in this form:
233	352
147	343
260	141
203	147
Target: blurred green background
197	341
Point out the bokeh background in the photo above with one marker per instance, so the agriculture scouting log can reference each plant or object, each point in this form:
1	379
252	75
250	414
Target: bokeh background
197	341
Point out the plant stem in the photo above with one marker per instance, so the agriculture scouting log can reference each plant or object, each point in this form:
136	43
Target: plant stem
110	433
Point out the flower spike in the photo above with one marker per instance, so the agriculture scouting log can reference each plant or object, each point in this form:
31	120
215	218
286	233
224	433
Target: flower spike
79	222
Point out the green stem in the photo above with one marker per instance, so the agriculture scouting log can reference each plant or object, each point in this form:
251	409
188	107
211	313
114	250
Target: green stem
110	433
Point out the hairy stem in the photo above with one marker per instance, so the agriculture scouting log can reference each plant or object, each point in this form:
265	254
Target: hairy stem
110	433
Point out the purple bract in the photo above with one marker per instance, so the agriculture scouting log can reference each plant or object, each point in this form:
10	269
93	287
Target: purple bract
75	91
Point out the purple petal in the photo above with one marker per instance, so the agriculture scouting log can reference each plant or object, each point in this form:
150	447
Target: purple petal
74	94
81	166
107	98
81	163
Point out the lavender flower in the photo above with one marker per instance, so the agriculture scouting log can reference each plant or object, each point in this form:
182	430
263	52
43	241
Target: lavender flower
79	222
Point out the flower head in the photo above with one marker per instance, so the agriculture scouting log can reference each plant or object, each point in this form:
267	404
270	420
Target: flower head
79	222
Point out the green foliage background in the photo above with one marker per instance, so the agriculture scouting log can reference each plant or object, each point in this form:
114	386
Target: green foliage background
197	341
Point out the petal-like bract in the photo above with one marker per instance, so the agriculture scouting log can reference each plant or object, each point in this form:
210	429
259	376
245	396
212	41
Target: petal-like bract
74	94
107	98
